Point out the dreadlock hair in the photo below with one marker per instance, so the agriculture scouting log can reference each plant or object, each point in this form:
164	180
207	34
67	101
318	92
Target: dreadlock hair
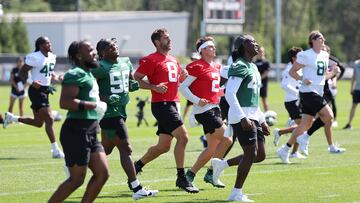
73	50
156	35
39	41
239	49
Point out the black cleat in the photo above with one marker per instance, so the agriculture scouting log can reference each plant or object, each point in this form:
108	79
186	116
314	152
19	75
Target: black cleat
347	127
186	185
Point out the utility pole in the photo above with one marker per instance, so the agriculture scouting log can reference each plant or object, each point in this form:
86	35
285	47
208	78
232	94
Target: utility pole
278	38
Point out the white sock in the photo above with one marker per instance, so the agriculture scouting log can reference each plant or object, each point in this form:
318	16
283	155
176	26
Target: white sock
237	190
226	164
287	148
54	146
135	183
15	119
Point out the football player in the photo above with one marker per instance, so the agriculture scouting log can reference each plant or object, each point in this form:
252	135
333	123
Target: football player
245	116
115	80
41	63
314	64
202	88
164	73
80	96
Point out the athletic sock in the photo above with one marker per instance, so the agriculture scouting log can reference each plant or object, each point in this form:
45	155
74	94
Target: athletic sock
54	146
180	172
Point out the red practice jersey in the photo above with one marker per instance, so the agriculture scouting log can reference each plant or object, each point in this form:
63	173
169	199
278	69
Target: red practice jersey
159	68
207	83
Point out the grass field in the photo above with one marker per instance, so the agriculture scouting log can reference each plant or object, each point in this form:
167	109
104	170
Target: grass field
29	174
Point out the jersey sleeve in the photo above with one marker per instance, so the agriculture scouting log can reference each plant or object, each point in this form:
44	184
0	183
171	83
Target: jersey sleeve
238	71
301	58
31	60
193	69
73	77
130	65
146	66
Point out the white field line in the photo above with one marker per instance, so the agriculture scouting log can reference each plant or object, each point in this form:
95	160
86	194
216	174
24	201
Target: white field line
172	179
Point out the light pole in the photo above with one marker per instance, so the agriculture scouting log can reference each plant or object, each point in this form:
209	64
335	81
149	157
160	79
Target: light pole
78	19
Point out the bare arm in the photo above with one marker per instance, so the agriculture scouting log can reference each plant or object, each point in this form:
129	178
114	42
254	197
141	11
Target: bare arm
12	81
24	72
69	101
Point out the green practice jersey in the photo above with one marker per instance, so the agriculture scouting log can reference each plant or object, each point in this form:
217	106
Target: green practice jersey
113	78
88	91
249	90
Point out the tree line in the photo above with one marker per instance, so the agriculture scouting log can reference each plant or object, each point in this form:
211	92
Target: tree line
337	19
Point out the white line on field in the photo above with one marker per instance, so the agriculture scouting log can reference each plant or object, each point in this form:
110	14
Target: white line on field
172	179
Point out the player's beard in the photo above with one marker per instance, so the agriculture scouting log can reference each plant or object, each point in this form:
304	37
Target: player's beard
91	64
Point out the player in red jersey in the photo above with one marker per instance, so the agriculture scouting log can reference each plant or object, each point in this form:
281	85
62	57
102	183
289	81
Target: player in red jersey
202	88
163	72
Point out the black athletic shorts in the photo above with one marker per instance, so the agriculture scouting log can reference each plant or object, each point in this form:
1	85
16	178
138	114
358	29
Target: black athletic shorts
356	96
311	103
293	109
224	107
248	137
263	89
78	140
39	97
114	126
167	116
210	120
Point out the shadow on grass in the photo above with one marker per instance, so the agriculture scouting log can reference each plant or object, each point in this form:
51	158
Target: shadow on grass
8	158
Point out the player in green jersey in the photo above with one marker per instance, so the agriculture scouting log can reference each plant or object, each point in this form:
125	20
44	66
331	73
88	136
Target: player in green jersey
80	96
245	116
115	81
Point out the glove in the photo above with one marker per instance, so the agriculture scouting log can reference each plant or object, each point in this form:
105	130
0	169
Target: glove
114	99
50	90
100	109
133	85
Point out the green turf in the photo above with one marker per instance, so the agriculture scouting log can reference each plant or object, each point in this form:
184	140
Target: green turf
29	174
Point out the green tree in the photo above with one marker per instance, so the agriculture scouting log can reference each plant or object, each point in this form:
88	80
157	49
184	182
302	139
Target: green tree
6	37
20	36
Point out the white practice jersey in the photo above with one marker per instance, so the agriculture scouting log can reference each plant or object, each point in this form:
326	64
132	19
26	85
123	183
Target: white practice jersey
290	85
42	67
315	68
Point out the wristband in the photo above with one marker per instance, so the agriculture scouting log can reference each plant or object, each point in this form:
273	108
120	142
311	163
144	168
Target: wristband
81	105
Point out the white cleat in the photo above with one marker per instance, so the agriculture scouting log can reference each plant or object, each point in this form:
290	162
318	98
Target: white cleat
283	155
218	166
276	136
57	154
9	118
297	155
303	141
144	192
336	150
335	124
237	197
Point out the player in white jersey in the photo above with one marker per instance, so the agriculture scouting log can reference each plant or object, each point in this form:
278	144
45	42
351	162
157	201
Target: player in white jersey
291	87
41	63
314	63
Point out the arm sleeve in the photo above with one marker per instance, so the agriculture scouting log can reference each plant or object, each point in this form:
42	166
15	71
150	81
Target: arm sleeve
235	112
185	90
286	85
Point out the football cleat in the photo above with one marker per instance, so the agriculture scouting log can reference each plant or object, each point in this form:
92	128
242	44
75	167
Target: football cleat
186	185
238	197
283	155
276	136
144	192
208	178
303	141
